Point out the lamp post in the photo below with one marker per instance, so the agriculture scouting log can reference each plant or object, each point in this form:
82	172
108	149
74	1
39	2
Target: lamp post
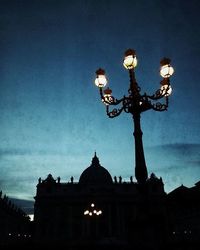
135	103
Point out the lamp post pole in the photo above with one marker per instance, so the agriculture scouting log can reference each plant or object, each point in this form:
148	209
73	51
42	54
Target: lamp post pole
136	103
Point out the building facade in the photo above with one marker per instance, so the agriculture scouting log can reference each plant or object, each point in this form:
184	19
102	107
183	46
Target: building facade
100	212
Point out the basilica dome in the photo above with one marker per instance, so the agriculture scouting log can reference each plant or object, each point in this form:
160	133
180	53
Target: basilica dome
95	174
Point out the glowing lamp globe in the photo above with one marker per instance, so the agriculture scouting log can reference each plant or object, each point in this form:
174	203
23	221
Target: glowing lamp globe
166	70
100	80
107	97
86	212
130	60
166	89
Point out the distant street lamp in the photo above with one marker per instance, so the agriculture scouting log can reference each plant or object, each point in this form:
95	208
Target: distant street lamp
93	211
136	103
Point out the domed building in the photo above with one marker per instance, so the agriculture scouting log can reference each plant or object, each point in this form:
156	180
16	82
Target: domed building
99	212
95	174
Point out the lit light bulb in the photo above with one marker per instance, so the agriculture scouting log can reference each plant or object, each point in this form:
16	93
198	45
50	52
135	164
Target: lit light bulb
166	70
166	90
130	59
100	80
107	96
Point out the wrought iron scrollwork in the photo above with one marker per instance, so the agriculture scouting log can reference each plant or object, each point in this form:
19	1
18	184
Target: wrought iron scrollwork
130	104
113	113
127	104
159	106
135	101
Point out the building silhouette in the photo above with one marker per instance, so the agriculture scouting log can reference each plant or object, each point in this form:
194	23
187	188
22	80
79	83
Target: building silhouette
183	206
101	212
98	212
15	226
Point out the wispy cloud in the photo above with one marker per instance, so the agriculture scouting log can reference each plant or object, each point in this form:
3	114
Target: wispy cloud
20	169
179	153
180	148
32	151
177	163
26	205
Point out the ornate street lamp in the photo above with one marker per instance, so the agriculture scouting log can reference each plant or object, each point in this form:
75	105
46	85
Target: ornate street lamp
136	103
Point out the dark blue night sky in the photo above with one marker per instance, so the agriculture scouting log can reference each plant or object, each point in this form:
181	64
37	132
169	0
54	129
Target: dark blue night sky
52	119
